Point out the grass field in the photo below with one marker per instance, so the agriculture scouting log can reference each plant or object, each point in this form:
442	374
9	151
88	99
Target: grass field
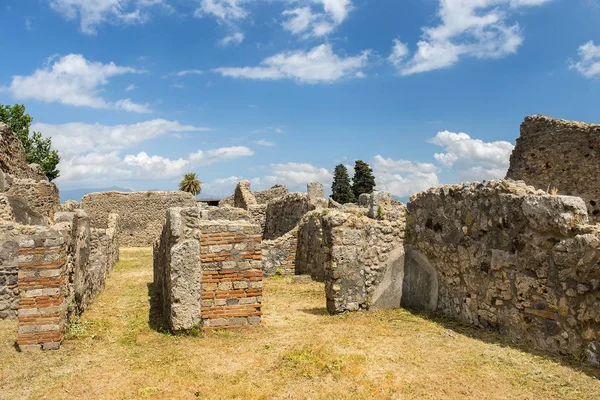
300	352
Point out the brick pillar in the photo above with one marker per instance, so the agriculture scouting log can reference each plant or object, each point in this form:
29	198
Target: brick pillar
41	284
231	275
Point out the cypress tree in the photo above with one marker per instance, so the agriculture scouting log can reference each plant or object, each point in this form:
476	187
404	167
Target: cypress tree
341	190
363	181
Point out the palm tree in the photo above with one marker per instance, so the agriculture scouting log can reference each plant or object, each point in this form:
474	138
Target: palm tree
190	184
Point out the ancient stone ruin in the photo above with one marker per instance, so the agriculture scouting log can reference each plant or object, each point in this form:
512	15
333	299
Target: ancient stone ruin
500	255
559	154
53	262
516	255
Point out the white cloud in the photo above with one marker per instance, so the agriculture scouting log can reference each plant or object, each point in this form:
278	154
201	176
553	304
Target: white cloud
130	88
186	72
225	11
472	159
309	20
222	154
403	177
476	28
94	168
79	138
589	60
234	39
76	81
264	142
93	13
318	65
296	175
399	53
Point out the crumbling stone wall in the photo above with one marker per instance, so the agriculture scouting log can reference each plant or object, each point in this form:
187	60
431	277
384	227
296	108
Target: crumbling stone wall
364	261
503	255
243	197
559	154
310	253
141	214
13	160
284	213
208	272
33	202
262	197
279	255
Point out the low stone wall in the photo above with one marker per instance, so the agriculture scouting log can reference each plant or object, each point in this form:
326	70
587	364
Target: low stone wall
13	159
141	214
279	255
505	256
208	273
364	261
310	253
560	154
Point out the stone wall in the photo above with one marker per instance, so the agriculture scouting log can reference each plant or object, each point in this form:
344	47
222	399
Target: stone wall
505	256
310	253
559	154
141	214
279	255
33	202
9	269
41	281
262	197
208	272
243	197
364	261
284	213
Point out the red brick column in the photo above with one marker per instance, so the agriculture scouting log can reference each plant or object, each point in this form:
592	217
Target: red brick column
231	276
41	316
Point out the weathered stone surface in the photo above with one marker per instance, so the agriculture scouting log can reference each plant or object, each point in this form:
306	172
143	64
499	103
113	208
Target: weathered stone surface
316	190
207	273
310	253
34	202
69	206
364	261
560	154
141	214
262	197
508	257
13	159
279	255
243	197
284	213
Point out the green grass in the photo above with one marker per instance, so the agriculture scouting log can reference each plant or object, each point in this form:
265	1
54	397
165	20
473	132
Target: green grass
300	352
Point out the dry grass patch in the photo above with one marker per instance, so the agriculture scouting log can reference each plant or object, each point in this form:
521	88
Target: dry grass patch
113	352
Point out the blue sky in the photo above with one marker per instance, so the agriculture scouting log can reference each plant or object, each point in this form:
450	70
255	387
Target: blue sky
136	92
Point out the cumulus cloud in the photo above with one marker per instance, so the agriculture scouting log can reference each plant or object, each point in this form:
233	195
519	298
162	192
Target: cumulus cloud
472	159
317	17
475	28
92	153
318	65
402	177
76	81
589	60
93	13
76	137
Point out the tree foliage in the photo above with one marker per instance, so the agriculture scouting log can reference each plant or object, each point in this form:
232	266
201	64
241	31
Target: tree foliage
341	190
38	149
363	180
190	184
